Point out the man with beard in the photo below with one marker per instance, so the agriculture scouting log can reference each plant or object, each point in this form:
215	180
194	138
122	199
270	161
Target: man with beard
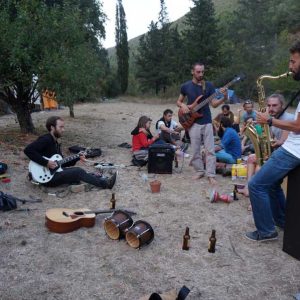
201	133
265	192
47	145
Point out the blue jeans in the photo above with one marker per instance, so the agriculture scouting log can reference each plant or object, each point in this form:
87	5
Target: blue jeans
225	157
265	192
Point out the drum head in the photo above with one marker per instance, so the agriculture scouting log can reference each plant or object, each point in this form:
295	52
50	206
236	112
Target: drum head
132	240
139	234
112	230
116	225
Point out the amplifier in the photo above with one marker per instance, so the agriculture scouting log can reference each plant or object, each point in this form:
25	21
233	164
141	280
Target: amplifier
160	159
291	240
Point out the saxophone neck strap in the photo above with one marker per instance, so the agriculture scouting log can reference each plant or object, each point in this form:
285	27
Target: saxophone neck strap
289	103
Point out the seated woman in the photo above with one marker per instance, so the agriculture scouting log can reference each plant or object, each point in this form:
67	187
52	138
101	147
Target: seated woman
142	138
230	149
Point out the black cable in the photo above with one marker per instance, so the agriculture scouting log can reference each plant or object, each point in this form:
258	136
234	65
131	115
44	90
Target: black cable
289	103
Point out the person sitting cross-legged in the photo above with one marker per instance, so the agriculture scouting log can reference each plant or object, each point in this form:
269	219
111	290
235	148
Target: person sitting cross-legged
169	130
230	149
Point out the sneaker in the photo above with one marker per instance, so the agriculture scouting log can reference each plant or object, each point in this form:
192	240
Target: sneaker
184	147
255	236
111	181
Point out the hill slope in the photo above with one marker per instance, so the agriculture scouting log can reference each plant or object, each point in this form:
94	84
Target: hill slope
220	6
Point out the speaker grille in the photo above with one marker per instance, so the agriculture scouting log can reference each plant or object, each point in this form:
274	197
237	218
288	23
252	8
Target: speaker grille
161	160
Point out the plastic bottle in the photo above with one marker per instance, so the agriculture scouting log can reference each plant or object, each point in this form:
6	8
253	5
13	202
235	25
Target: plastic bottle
234	172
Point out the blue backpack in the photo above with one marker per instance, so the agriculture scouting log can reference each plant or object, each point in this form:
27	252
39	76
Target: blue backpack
3	168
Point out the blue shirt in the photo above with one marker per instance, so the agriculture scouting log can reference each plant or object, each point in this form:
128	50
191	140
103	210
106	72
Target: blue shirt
247	116
192	90
231	143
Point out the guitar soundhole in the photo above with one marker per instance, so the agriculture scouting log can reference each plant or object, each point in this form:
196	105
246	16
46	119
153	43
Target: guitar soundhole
78	213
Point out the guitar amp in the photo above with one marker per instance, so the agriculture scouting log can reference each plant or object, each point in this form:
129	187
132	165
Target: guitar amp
160	159
291	241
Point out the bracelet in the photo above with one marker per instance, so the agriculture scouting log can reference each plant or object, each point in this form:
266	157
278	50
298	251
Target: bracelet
270	121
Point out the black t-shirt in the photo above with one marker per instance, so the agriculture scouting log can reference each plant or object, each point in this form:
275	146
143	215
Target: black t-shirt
44	146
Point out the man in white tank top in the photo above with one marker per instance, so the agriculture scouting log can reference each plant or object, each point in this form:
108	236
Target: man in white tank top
265	192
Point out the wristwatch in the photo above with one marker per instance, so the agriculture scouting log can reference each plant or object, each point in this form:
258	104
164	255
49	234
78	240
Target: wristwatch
270	121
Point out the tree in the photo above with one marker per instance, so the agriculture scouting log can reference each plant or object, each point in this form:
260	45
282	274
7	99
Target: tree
73	69
253	43
50	43
148	59
153	59
122	50
201	36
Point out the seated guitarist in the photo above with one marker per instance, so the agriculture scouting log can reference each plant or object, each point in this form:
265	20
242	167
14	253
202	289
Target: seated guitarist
47	145
201	132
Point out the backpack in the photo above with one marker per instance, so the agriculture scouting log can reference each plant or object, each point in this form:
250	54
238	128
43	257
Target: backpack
93	152
3	168
9	202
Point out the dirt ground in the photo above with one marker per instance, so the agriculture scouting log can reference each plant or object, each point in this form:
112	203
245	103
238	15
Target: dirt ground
86	264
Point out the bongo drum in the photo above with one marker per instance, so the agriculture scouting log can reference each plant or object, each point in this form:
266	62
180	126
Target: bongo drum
139	234
117	224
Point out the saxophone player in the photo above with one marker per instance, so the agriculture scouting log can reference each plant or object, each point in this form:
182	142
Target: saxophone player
265	192
275	105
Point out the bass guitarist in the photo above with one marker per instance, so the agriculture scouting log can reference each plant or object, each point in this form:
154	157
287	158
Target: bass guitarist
47	145
201	132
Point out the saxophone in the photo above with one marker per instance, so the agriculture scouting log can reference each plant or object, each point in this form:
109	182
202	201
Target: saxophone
262	143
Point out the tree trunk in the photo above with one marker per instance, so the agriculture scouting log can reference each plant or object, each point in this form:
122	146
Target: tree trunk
23	112
71	109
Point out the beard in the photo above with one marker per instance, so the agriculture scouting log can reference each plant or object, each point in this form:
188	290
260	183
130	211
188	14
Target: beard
296	76
57	134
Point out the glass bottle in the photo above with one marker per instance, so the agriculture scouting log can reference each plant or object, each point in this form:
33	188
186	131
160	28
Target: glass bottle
113	201
212	242
186	239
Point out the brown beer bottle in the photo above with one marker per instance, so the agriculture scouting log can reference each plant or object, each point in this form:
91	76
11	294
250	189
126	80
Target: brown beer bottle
113	201
212	242
186	239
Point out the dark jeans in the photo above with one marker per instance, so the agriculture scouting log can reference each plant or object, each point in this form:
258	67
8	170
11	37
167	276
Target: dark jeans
74	175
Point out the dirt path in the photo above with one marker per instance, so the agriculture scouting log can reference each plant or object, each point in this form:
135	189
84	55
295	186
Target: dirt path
85	264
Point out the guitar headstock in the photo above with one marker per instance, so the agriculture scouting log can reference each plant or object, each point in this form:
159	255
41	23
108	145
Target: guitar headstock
239	77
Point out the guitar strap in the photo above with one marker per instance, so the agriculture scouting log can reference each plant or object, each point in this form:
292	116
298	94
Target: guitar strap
203	84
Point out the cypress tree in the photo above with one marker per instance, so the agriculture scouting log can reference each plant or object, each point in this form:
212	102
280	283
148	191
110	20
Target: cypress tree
122	50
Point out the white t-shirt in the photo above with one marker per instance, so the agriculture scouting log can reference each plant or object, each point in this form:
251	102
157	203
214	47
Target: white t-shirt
172	126
292	143
277	132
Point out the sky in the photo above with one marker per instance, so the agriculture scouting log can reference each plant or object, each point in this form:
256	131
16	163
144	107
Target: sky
139	14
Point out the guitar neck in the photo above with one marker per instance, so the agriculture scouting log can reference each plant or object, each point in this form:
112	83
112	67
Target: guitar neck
210	98
68	159
101	211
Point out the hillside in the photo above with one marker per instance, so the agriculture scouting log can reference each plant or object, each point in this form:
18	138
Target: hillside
221	6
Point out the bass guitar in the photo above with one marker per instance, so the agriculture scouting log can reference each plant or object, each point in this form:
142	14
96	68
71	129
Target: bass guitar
64	220
188	119
43	174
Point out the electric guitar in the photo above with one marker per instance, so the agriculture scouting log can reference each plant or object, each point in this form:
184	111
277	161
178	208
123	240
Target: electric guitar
188	119
63	220
43	174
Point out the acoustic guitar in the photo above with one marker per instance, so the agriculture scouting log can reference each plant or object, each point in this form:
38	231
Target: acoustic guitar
43	174
64	220
188	119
